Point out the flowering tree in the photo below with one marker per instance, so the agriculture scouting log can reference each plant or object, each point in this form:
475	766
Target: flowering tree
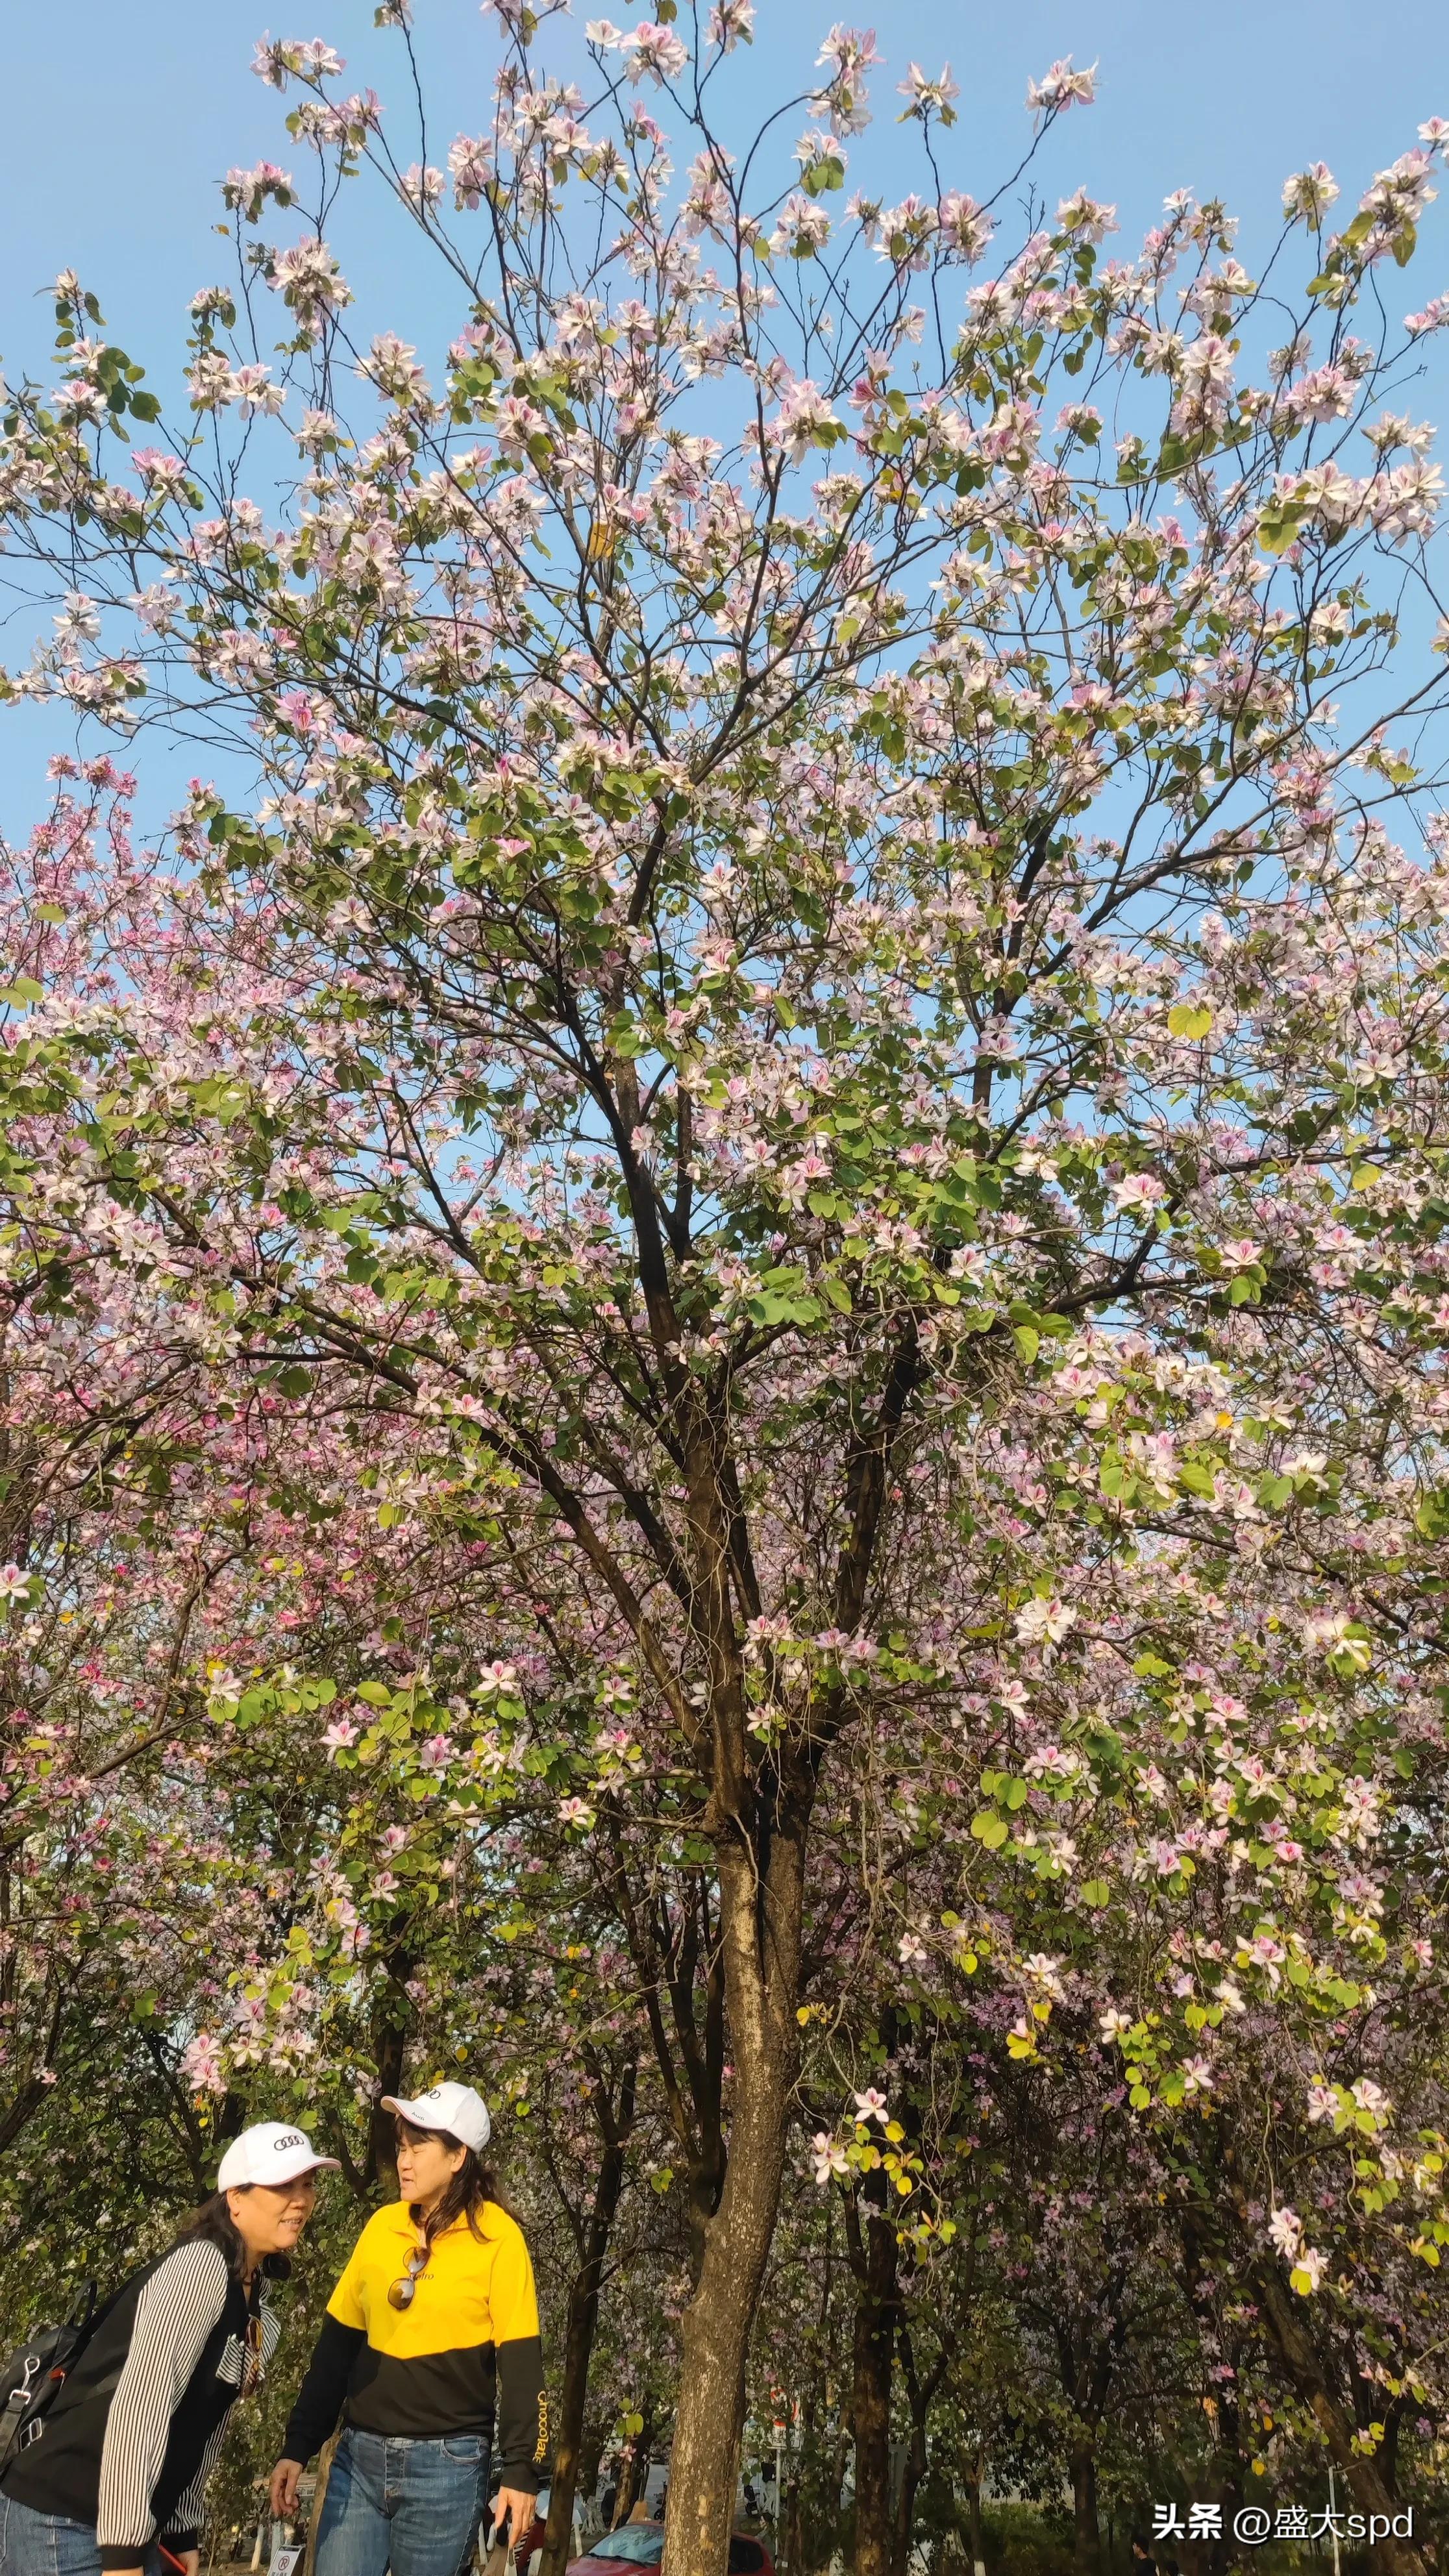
820	923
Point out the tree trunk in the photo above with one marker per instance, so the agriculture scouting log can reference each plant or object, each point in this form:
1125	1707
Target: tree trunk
1366	2482
591	2453
875	2339
920	2395
1230	2471
912	2471
634	2471
1086	2531
792	2529
761	1898
390	2022
583	2318
973	2522
838	2463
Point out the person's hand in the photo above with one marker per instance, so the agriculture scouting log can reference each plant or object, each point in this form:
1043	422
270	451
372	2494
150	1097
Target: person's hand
286	2479
512	2514
190	2560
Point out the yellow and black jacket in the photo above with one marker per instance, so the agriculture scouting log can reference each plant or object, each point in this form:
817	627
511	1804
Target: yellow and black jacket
466	2351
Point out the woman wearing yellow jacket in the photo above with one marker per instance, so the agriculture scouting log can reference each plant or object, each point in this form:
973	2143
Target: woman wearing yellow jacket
430	2354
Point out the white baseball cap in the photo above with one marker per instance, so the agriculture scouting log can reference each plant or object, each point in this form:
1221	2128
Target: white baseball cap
272	2152
454	2107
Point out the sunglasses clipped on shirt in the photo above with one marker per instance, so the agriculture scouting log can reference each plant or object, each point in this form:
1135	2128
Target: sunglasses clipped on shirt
254	2368
403	2292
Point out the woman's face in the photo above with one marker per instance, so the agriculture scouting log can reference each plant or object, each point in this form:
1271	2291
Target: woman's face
270	2216
425	2164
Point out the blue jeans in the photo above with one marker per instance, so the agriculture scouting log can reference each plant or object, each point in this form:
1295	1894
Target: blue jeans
412	2506
46	2544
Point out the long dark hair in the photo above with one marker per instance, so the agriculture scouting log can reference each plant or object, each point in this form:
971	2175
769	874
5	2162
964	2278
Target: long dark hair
213	2224
472	2184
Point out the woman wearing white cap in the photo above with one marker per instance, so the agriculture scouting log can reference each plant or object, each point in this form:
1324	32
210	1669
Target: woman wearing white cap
430	2345
114	2475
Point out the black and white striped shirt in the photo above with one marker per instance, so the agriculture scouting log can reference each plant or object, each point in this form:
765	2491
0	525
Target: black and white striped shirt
136	2432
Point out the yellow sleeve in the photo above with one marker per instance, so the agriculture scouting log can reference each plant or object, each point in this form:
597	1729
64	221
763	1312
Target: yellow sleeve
512	2298
347	2304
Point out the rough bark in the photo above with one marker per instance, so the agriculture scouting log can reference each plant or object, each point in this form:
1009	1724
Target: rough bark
1315	2379
874	2257
390	2022
761	1899
920	2397
1370	2489
580	2327
1086	2527
390	2028
903	2520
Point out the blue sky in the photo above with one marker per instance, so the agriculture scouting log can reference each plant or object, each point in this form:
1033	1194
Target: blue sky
119	116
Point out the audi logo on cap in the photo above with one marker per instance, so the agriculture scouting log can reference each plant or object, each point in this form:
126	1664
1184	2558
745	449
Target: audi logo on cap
289	2139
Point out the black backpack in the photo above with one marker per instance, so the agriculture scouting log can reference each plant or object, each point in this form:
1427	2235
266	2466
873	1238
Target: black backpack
32	2378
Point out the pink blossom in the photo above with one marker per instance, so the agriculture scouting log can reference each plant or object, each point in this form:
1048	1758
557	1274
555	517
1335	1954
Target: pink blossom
731	23
202	2065
1308	195
805	420
1285	2228
827	2157
470	163
655	50
1062	87
965	228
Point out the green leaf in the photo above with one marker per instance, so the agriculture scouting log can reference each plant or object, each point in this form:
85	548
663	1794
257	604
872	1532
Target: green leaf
1189	1020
